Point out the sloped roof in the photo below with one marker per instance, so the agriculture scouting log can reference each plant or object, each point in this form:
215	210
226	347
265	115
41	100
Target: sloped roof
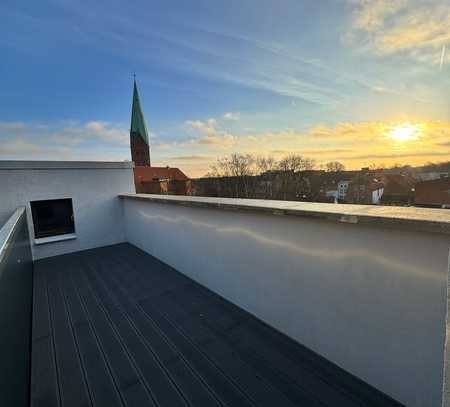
375	184
398	183
143	174
434	192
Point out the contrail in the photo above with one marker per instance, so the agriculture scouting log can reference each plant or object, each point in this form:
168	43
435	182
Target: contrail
442	57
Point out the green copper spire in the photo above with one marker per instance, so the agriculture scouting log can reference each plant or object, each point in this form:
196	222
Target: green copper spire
137	117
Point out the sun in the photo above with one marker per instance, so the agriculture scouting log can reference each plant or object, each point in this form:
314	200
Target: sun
404	132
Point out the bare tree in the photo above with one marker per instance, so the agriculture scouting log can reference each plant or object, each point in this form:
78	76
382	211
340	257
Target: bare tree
295	163
242	167
239	175
241	164
290	167
266	168
334	166
234	173
265	164
309	164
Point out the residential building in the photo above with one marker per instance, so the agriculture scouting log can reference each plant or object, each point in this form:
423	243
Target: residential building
161	180
370	187
429	176
377	190
398	189
342	188
433	194
362	186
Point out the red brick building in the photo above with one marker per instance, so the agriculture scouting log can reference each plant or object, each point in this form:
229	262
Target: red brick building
161	180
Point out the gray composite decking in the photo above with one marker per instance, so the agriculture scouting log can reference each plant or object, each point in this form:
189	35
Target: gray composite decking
114	326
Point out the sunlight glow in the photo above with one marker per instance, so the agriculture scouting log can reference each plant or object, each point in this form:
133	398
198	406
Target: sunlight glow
405	132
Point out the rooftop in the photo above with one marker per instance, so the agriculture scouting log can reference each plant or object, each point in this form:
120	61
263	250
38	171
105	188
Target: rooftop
143	173
149	300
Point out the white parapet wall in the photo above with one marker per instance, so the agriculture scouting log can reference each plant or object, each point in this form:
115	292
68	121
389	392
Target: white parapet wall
92	186
363	286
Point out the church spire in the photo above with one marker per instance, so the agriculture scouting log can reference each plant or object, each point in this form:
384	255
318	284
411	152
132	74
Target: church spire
140	150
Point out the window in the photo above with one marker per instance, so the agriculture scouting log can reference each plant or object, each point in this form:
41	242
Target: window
52	217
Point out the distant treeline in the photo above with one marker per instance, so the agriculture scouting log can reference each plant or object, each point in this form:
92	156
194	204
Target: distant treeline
294	177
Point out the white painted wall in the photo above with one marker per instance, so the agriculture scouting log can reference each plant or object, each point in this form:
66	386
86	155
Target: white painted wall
370	299
376	195
93	188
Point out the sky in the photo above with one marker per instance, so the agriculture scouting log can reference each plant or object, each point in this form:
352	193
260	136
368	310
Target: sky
358	81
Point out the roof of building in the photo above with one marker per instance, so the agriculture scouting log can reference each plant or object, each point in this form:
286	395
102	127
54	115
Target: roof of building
143	174
392	183
434	192
137	117
375	184
397	184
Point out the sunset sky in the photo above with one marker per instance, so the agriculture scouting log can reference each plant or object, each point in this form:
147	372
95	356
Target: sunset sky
359	81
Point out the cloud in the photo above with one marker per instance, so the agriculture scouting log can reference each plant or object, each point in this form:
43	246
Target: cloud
207	133
19	145
107	132
93	139
370	15
356	144
194	158
232	116
207	127
355	131
409	154
12	126
416	28
223	140
376	132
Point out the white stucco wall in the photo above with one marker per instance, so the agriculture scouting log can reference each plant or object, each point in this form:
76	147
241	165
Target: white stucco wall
370	299
376	195
93	187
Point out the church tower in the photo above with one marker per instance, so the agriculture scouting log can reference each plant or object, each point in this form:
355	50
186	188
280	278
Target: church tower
140	147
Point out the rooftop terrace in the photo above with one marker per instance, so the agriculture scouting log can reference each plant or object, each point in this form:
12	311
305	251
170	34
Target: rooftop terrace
114	326
165	301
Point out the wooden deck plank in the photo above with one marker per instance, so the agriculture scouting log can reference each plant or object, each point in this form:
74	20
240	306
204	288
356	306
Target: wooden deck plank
44	386
71	378
263	345
128	380
190	384
162	389
140	286
227	391
149	336
101	385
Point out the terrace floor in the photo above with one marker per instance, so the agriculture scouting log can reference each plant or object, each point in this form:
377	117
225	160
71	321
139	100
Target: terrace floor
116	327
